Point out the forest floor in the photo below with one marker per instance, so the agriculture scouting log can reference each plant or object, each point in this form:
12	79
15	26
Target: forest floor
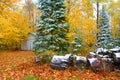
15	65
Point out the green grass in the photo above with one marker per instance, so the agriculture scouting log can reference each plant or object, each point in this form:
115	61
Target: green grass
31	77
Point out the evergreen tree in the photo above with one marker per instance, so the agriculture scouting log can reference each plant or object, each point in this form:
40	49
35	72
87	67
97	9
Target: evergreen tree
77	43
105	38
52	28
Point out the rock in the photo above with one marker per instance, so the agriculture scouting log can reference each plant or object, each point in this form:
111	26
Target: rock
68	55
116	49
105	56
72	60
81	62
62	62
107	64
95	64
92	55
101	59
59	62
102	51
99	51
116	57
104	59
99	56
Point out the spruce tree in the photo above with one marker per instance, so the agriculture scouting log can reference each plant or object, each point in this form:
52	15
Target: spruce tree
78	43
105	37
52	28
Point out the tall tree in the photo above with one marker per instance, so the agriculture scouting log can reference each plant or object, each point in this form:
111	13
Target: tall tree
52	28
80	17
30	9
14	26
105	37
97	2
115	13
114	10
6	4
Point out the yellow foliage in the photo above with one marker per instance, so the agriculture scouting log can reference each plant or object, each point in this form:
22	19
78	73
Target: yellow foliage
14	27
80	17
70	36
115	13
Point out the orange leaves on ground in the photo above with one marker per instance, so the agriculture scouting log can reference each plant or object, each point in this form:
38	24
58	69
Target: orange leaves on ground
17	64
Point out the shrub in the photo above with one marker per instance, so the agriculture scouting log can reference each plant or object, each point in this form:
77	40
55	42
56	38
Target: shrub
46	58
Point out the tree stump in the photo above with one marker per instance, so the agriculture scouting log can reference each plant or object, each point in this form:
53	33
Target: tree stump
38	60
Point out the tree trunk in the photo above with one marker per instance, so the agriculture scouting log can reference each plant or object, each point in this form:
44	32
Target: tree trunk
97	22
68	10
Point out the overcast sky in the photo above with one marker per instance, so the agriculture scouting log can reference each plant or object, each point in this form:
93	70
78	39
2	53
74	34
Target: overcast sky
23	1
35	1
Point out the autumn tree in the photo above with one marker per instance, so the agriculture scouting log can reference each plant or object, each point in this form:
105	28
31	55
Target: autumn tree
13	24
114	11
52	28
30	9
118	38
105	37
80	17
97	2
6	4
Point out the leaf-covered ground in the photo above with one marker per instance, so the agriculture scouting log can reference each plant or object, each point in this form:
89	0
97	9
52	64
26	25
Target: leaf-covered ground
16	65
